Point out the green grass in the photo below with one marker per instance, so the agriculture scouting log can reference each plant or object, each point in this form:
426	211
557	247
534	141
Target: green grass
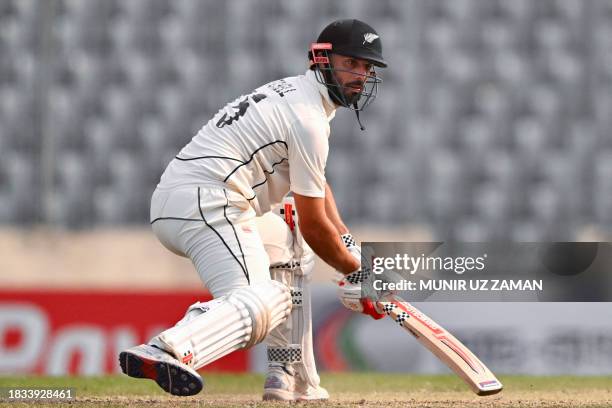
354	389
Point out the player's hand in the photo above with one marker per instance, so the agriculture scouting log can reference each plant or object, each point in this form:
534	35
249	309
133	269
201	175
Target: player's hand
349	292
349	287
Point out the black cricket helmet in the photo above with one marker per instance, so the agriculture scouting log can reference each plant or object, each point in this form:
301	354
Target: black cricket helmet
351	38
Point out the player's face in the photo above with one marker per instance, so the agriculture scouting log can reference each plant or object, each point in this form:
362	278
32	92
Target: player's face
351	74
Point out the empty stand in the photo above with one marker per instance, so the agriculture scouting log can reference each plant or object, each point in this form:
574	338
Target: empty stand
493	120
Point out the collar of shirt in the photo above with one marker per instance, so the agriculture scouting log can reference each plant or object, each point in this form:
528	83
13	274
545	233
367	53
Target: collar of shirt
328	105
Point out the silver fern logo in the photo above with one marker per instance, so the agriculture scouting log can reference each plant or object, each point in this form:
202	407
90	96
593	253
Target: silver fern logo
369	37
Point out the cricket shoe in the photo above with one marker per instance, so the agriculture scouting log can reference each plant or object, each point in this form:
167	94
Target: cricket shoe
170	374
283	385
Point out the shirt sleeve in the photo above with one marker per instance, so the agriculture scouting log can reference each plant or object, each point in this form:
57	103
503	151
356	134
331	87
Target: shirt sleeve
308	148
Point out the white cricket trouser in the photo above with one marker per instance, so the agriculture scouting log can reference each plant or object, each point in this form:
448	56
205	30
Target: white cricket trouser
215	228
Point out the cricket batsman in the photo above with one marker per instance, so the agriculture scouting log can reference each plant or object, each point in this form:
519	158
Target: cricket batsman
222	203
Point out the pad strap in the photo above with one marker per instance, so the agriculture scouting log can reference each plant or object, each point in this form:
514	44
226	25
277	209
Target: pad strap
296	296
287	265
292	353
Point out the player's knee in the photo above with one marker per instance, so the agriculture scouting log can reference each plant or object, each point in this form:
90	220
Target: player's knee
268	305
277	238
284	246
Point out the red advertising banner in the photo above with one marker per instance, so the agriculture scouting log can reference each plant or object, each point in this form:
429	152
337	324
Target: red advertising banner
82	332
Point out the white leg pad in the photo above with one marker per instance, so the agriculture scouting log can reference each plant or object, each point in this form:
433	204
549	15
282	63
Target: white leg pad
239	320
291	342
285	341
291	262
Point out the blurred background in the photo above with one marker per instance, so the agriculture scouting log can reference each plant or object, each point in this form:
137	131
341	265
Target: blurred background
493	123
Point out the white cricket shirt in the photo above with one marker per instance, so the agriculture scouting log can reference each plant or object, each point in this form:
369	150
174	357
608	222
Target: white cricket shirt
262	145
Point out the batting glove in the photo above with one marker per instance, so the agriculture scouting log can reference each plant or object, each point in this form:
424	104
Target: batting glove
349	287
351	245
349	292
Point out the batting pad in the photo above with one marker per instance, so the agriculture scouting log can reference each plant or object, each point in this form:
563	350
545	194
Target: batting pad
291	262
239	320
285	341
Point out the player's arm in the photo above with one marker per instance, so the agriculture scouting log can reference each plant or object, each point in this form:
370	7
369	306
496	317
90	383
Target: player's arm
331	210
322	235
307	148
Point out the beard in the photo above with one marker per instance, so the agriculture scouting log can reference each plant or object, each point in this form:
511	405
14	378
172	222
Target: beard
352	97
343	94
352	94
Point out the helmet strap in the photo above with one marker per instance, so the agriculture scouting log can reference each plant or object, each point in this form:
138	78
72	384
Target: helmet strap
357	114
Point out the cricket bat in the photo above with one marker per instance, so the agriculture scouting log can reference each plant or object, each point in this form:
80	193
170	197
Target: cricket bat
443	344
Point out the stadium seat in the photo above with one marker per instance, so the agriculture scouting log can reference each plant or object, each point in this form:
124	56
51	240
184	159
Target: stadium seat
471	229
490	116
527	230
